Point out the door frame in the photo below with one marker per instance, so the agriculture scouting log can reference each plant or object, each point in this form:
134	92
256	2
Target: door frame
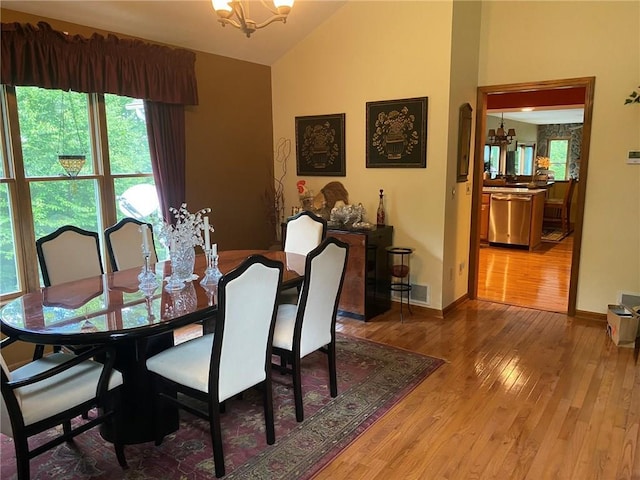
481	127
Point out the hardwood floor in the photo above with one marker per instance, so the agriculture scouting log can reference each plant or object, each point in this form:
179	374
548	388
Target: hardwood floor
537	279
524	394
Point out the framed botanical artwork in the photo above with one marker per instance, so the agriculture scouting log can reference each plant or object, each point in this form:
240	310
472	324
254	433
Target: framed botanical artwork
320	145
464	142
397	133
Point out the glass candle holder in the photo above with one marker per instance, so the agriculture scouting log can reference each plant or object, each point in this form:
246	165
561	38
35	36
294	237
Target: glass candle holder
212	274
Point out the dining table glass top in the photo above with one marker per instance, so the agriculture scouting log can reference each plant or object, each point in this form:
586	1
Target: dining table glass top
112	306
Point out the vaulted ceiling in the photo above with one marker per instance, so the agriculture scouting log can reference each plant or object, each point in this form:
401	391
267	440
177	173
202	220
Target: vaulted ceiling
190	24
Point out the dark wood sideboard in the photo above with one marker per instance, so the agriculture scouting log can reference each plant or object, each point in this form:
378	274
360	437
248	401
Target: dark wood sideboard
365	292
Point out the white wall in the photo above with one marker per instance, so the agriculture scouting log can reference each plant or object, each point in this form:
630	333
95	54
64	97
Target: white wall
556	40
371	51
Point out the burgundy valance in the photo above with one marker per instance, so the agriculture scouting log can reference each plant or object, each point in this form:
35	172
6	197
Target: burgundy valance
43	57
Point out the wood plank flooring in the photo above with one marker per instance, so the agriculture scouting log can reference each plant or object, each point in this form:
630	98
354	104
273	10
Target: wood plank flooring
537	279
524	394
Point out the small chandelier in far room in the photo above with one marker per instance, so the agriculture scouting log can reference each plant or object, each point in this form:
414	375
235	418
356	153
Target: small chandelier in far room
498	137
226	10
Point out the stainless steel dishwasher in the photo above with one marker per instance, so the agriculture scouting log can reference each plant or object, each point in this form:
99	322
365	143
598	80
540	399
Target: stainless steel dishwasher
510	218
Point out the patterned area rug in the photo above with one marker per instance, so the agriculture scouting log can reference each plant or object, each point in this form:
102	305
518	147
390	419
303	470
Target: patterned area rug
553	235
371	379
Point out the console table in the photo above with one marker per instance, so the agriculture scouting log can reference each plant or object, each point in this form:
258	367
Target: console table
365	292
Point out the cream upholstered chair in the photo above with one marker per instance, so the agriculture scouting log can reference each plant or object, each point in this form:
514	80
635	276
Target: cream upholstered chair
309	326
52	391
304	232
70	253
124	244
237	356
67	254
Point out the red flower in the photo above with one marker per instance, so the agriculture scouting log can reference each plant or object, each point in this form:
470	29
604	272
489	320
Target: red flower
300	186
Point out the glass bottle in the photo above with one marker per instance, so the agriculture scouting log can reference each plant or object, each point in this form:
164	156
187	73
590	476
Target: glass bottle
380	213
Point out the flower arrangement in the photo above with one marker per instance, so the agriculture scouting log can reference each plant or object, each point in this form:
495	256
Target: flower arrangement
187	229
543	163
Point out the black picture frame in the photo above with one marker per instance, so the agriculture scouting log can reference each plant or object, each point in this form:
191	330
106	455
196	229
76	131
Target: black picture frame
397	133
464	142
320	145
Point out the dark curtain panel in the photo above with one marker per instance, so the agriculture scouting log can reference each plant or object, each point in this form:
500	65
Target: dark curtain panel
165	128
43	57
164	77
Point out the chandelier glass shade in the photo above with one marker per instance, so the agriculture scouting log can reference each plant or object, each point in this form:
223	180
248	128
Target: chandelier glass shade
72	164
499	137
236	13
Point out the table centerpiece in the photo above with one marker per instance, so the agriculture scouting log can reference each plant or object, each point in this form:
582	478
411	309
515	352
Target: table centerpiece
181	237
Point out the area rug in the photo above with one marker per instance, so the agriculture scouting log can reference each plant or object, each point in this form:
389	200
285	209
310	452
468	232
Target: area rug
371	379
553	235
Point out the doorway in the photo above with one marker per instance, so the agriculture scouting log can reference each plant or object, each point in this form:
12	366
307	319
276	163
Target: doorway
538	94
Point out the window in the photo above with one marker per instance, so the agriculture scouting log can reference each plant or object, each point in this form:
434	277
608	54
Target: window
492	159
525	158
115	179
559	157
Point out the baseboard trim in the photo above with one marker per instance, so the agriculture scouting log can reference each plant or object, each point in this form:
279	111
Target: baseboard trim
586	315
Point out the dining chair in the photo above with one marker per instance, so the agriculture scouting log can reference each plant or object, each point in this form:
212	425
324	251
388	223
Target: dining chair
311	324
124	244
67	254
237	356
304	232
53	391
557	211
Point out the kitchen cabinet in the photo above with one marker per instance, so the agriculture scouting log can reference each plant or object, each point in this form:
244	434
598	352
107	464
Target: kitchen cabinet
365	292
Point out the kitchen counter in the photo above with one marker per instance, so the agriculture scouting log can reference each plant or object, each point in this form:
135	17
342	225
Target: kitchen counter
528	191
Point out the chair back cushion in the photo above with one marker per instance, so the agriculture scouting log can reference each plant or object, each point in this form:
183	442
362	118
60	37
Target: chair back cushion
69	254
317	308
305	231
124	244
245	322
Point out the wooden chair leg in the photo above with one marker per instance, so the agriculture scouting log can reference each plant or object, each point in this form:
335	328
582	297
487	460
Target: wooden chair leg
333	377
216	439
66	428
22	459
267	391
297	389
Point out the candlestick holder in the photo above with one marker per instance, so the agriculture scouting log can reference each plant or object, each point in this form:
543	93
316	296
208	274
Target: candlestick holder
147	276
212	274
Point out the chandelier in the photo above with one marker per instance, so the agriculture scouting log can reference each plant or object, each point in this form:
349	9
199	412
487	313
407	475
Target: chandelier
226	10
498	137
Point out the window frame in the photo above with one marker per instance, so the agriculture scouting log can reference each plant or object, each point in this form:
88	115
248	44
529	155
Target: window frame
550	140
20	186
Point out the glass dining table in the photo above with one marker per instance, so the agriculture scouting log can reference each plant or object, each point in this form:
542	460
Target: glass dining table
111	308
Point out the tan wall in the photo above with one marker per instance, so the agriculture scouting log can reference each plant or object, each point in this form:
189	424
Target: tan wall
601	40
463	72
369	51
